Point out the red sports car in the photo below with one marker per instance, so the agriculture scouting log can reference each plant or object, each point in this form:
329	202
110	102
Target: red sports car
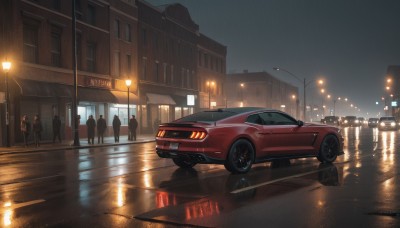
239	137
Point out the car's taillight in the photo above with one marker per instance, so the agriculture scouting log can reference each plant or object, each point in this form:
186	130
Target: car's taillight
198	135
161	133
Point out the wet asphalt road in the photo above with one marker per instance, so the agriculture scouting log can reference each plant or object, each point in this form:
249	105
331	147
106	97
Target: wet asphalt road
129	186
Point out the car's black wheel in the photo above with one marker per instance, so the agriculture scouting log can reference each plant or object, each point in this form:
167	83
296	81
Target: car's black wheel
329	149
240	157
183	163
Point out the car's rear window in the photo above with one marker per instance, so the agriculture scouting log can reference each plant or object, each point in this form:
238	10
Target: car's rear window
350	117
206	116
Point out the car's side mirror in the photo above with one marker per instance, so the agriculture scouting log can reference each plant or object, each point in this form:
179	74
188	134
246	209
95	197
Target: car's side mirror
300	123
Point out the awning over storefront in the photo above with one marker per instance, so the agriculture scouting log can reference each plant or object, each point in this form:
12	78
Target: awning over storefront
95	95
153	98
30	88
122	97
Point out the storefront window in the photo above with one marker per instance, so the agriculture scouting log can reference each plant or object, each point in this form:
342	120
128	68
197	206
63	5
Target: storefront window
85	112
143	116
187	111
178	113
122	112
164	113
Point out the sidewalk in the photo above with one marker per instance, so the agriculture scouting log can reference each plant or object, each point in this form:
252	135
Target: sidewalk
68	145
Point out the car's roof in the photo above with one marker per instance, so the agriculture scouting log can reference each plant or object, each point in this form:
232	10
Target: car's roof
238	110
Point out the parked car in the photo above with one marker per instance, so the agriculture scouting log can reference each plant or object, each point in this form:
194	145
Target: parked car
239	137
387	123
350	121
373	122
332	120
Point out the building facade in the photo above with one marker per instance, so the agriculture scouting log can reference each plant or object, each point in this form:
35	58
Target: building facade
261	89
154	47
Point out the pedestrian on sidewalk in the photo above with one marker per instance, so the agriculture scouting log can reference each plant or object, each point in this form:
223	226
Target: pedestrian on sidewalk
37	130
133	124
116	127
25	129
56	129
91	125
101	128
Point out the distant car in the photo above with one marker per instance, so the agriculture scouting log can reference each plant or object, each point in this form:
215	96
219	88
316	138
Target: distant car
362	121
239	137
350	121
373	122
387	123
332	120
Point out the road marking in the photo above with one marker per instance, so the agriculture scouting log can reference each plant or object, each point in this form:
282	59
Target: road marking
293	176
274	181
6	207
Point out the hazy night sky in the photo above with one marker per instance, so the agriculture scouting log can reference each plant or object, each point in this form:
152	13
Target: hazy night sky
350	43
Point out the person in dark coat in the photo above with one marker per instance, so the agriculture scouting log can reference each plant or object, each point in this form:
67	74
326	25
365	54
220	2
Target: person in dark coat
133	124
37	130
116	127
91	125
56	128
101	128
25	129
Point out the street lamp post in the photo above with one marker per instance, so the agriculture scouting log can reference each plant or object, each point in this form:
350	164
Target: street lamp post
6	69
128	84
305	84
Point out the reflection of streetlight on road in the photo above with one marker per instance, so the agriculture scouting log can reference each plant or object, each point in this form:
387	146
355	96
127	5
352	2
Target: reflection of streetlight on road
209	84
128	85
305	84
6	69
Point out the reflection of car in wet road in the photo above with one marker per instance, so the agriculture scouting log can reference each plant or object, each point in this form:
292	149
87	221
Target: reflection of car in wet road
239	137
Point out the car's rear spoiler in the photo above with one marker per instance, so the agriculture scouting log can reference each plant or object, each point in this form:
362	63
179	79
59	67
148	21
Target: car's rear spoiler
185	124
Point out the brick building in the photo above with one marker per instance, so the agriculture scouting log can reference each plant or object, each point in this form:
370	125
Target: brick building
261	89
155	47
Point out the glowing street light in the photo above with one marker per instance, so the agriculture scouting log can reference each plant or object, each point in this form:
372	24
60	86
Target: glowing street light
6	69
209	84
305	84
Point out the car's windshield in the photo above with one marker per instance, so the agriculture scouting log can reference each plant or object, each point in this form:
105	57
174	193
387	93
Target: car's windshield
389	118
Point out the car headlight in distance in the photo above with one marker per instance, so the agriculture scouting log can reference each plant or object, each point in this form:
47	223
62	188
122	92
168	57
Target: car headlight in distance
392	124
357	121
382	124
346	121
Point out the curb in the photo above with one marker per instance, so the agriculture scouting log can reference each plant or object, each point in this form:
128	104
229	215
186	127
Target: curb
23	150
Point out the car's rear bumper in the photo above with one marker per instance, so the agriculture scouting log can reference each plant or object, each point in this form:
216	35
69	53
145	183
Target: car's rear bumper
189	156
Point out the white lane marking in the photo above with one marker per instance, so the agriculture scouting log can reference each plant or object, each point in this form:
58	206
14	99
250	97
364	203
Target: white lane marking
293	176
19	205
273	181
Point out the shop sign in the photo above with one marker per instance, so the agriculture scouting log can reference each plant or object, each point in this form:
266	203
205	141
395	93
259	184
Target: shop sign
98	82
